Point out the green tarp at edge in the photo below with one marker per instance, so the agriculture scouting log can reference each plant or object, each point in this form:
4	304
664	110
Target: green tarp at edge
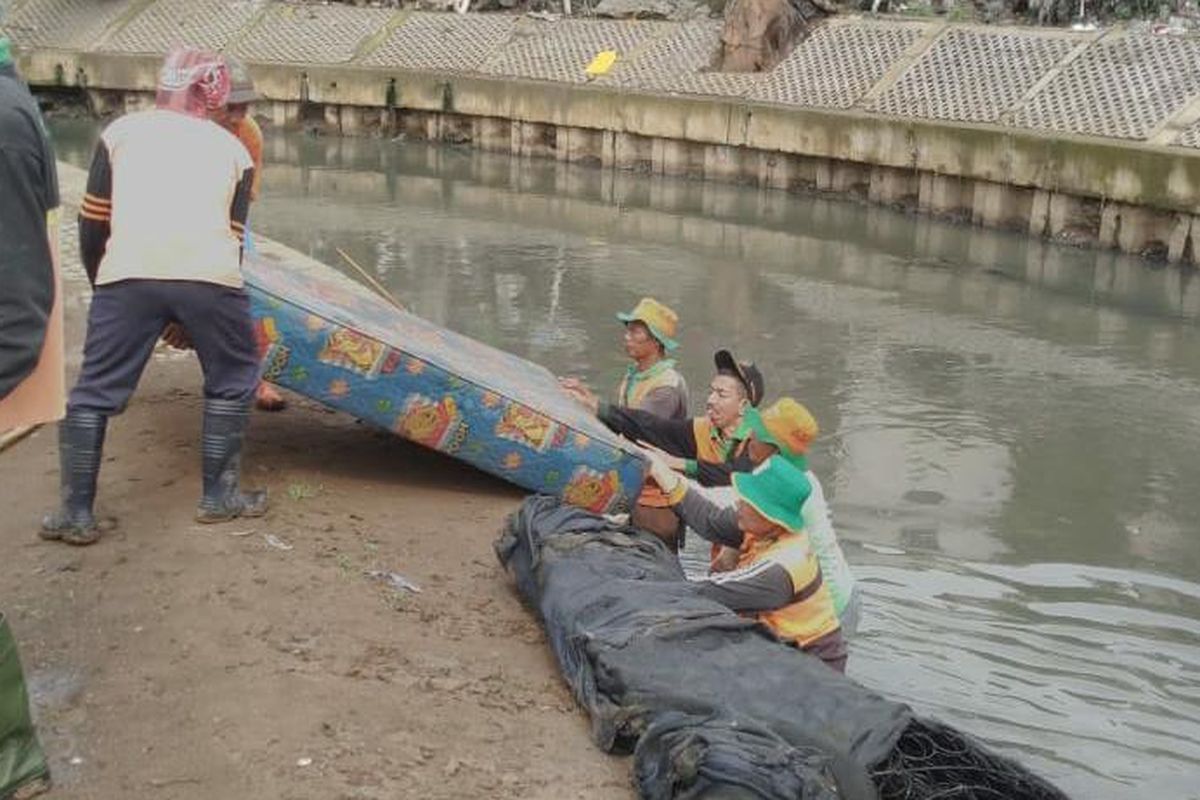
22	762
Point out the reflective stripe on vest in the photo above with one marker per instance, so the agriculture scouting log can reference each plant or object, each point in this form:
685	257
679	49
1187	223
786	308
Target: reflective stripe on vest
633	397
811	614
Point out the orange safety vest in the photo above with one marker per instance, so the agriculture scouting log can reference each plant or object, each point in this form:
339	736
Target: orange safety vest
663	374
632	397
711	447
811	613
250	135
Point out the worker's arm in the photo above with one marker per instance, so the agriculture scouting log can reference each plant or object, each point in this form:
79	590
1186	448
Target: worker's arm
239	209
250	135
26	273
663	402
716	523
674	436
95	214
762	586
707	473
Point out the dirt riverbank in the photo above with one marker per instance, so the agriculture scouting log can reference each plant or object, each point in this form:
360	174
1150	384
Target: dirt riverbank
258	658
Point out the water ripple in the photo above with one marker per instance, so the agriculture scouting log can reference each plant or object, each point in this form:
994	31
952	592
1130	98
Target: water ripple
1098	691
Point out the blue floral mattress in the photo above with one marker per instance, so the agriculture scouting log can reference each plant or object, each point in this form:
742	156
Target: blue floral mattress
330	338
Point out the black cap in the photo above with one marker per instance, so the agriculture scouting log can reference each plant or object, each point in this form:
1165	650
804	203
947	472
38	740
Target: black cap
744	371
241	85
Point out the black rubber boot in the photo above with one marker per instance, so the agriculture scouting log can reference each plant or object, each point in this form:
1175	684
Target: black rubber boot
221	444
80	446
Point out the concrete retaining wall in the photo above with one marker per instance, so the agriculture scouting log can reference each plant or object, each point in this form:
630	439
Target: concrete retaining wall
1090	138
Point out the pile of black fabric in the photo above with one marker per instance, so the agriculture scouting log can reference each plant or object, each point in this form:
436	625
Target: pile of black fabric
711	703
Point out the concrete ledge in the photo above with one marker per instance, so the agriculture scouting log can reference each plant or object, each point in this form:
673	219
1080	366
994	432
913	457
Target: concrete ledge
992	175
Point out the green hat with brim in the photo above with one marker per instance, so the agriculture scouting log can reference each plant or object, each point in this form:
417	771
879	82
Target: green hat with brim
777	490
660	320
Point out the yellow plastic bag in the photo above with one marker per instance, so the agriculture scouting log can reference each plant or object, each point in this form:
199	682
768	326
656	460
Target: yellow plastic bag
602	63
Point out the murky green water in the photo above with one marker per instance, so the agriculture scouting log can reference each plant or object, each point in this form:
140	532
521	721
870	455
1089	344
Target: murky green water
1011	430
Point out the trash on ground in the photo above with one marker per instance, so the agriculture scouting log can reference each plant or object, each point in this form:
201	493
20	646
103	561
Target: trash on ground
274	541
393	579
882	549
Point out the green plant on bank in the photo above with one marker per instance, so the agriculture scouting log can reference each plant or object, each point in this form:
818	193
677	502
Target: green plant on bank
960	13
1041	12
304	491
397	600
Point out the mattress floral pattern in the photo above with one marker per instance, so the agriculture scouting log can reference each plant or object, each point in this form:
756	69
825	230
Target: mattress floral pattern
324	336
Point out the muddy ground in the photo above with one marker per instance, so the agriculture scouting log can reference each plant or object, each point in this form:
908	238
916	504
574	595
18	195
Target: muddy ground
173	660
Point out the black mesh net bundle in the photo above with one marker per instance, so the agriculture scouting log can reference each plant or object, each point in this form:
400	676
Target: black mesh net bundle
711	703
933	760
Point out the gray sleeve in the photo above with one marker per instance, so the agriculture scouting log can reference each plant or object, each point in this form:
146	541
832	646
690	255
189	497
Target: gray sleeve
713	522
664	401
758	587
26	269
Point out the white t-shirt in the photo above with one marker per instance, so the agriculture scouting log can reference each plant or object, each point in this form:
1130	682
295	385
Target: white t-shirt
173	182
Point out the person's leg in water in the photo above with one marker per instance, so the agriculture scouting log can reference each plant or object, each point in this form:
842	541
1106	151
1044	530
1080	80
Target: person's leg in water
852	614
217	320
124	322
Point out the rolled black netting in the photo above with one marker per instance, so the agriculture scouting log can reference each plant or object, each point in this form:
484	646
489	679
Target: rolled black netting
681	757
933	760
712	704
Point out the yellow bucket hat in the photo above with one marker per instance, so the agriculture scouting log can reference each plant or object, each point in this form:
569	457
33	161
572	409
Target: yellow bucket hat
661	320
788	425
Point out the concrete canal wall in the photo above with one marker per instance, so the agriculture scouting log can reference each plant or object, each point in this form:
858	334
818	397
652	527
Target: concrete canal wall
1091	137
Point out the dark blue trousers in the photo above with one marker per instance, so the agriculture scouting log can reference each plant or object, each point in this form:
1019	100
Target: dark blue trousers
128	317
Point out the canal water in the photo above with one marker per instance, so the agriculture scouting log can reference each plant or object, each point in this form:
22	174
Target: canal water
1010	429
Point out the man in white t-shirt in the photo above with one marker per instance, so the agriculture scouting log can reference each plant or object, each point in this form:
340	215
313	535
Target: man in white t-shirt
161	228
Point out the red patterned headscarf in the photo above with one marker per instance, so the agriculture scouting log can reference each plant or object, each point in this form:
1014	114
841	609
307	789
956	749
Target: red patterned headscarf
193	82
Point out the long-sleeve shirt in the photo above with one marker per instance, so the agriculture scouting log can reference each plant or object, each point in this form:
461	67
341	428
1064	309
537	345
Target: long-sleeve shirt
167	199
28	191
718	522
818	524
707	451
778	581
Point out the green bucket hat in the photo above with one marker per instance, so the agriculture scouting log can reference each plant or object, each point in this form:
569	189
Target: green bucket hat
659	318
5	44
777	490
